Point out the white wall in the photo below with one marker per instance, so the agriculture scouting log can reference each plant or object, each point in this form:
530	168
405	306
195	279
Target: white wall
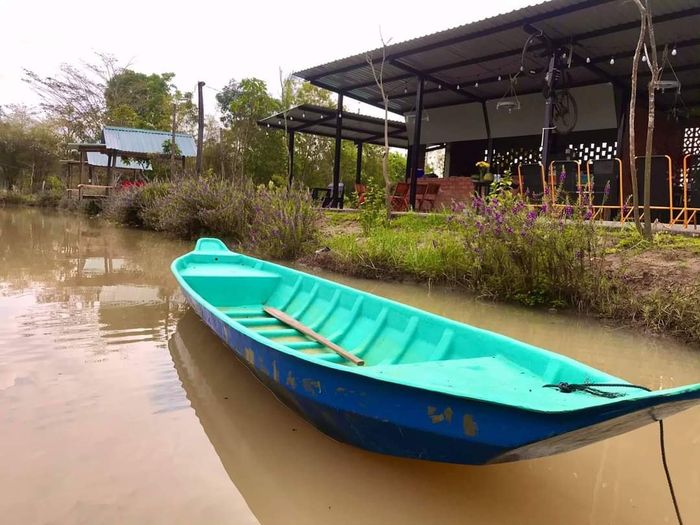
596	110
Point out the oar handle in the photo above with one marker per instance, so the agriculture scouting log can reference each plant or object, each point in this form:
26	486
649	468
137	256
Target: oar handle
290	321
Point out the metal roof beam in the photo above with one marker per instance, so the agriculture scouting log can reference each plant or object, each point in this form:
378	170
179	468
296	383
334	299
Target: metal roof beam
435	80
565	10
668	17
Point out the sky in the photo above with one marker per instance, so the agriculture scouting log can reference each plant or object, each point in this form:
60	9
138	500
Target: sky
210	40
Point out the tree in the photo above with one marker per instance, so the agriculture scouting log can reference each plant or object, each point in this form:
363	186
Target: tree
29	150
137	100
74	99
254	151
378	75
646	36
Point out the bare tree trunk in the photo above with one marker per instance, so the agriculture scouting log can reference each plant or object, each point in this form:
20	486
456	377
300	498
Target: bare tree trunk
379	80
632	114
653	62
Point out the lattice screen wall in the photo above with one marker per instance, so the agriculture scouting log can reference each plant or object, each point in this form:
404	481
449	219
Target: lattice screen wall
512	157
585	151
691	141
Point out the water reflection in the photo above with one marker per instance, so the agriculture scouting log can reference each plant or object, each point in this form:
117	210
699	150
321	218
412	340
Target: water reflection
95	425
290	473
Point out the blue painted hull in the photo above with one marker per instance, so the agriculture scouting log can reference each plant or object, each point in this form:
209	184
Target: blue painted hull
400	420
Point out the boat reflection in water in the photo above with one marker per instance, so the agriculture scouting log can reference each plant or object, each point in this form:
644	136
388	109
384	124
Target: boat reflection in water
289	472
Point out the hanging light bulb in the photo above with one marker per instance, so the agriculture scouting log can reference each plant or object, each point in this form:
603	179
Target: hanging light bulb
458	88
405	90
303	115
476	84
644	58
439	86
499	78
612	61
674	51
588	60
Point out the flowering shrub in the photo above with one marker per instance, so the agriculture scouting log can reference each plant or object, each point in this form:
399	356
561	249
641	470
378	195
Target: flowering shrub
284	221
498	246
135	205
273	222
544	255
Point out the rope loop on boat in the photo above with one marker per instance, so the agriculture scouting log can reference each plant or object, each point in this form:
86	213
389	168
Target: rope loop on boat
594	389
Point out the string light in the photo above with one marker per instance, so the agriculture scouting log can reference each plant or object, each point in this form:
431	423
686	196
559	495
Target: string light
458	88
644	58
674	51
303	115
439	86
499	78
588	60
612	61
476	84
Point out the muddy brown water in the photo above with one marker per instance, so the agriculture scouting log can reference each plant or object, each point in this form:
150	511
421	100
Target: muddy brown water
117	405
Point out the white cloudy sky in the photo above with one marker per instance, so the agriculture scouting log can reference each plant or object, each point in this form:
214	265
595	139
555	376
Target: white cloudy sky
212	40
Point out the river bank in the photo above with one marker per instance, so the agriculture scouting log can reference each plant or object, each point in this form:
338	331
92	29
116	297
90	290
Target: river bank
650	285
499	250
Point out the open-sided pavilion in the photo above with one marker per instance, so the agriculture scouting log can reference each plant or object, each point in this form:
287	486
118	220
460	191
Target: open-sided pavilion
546	83
330	122
130	149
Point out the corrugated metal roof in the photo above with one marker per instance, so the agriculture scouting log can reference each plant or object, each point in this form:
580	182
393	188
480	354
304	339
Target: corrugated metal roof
473	62
100	160
132	140
317	120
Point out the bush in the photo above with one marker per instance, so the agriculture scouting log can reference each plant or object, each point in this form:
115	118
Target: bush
207	206
49	198
15	198
271	221
284	222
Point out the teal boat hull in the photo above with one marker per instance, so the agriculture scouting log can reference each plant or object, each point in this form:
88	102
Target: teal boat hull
418	396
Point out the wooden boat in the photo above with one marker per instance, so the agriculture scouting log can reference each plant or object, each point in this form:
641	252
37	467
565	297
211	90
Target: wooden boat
397	380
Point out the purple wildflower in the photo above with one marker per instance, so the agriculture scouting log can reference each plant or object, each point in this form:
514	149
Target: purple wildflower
568	211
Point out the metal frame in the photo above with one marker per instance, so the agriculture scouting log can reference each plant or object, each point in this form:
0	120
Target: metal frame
670	206
554	183
598	209
521	186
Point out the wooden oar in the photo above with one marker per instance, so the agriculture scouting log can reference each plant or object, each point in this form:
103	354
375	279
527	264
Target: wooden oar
290	321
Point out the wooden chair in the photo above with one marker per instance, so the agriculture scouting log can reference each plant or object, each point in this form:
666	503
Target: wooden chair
361	190
429	197
399	200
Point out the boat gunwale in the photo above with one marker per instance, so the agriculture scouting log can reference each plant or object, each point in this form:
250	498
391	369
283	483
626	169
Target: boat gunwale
631	398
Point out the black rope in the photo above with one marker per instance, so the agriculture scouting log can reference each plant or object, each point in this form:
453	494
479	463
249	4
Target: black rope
593	388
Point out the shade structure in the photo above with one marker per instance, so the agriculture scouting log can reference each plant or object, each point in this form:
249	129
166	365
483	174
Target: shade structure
321	121
474	62
100	160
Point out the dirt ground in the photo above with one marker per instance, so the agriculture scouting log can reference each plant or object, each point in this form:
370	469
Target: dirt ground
661	268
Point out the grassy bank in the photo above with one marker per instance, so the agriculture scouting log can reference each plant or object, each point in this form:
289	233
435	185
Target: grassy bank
547	259
499	248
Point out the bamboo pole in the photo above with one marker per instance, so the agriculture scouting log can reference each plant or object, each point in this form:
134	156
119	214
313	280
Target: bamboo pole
290	321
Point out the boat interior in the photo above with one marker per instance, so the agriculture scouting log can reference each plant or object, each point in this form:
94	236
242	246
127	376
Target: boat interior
397	342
